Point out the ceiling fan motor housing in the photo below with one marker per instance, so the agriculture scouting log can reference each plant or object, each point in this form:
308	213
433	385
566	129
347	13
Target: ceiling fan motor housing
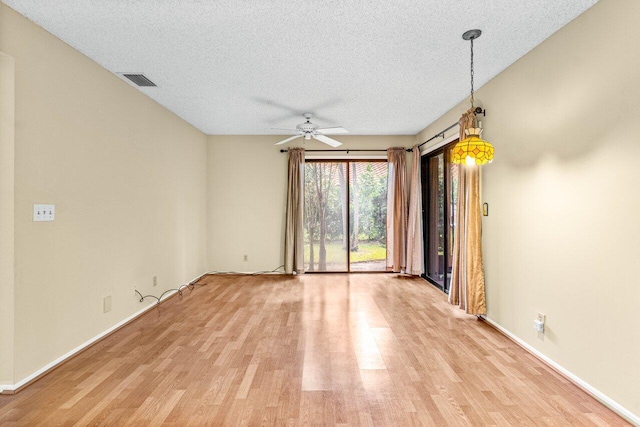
307	127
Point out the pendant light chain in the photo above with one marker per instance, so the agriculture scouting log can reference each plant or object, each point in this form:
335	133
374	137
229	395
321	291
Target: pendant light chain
472	72
474	118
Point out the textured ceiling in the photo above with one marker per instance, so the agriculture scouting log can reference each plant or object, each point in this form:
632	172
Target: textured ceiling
245	66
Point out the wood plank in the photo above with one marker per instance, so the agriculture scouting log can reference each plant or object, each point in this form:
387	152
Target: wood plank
337	349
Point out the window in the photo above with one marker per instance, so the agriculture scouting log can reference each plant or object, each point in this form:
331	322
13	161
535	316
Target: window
345	215
440	191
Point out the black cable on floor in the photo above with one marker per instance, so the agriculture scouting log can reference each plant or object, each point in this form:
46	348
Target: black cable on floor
191	286
255	273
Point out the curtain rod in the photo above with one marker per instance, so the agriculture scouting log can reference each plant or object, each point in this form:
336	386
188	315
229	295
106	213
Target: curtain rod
477	111
441	133
337	151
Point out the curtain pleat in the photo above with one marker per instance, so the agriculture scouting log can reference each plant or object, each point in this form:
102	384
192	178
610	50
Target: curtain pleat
294	231
458	275
396	209
475	293
467	276
415	244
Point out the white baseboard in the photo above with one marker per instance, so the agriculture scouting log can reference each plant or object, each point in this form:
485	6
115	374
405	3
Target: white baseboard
11	388
242	273
598	395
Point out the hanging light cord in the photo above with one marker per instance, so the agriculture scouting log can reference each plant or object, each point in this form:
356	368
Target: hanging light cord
472	72
468	139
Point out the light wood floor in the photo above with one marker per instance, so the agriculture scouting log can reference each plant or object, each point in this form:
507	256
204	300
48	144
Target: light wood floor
359	349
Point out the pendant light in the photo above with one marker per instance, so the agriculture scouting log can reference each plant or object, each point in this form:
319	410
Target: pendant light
472	150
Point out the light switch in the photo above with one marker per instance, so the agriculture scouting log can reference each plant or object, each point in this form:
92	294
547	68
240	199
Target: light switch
44	212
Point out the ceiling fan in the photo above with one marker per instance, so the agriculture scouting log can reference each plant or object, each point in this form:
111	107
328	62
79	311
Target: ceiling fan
309	130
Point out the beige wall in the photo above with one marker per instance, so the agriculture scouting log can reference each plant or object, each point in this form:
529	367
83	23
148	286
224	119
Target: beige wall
7	121
247	190
564	226
128	179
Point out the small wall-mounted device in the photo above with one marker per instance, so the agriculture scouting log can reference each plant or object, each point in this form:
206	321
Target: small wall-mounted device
538	326
538	323
485	209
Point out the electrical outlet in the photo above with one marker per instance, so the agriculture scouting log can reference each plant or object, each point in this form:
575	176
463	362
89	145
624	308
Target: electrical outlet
245	258
106	304
538	324
155	280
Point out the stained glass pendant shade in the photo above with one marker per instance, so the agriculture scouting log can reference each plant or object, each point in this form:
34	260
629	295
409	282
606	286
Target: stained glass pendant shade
472	150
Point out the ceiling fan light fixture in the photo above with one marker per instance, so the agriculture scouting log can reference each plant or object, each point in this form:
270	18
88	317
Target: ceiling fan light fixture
472	150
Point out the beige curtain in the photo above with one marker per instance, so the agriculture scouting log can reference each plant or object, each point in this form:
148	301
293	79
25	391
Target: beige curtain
396	209
467	276
294	231
415	249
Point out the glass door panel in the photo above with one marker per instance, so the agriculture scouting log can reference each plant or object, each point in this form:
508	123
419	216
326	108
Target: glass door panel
325	210
435	248
368	216
440	198
452	206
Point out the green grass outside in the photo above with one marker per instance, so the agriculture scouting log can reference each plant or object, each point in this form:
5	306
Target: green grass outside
367	251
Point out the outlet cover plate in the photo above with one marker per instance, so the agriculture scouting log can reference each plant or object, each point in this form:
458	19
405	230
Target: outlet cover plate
106	304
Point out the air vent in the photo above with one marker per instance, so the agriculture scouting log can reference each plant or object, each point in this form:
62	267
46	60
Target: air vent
139	79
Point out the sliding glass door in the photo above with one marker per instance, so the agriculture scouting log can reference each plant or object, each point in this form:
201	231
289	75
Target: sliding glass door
440	190
345	215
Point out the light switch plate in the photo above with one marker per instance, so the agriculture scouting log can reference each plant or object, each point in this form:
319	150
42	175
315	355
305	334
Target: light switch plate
44	212
106	304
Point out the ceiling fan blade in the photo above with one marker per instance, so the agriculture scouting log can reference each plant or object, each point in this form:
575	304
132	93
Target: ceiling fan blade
332	131
284	141
327	140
